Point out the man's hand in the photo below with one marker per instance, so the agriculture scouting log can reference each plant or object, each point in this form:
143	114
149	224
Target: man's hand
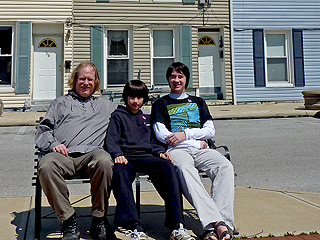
121	160
166	156
175	138
61	148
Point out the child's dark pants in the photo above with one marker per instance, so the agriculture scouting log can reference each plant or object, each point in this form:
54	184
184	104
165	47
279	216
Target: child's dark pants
164	178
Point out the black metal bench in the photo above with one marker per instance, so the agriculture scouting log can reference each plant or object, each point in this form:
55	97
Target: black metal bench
78	180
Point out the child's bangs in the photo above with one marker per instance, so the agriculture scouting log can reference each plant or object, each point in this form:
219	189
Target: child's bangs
137	92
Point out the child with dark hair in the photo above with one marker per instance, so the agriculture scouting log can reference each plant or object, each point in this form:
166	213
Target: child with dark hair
134	149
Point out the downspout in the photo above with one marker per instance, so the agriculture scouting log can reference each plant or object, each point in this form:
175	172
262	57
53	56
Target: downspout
234	93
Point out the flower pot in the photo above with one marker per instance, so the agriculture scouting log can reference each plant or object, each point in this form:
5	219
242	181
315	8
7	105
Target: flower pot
311	99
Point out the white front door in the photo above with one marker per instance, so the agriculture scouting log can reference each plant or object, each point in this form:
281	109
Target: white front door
209	60
47	68
206	71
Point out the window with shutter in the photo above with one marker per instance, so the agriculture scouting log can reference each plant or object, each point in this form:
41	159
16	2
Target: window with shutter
278	58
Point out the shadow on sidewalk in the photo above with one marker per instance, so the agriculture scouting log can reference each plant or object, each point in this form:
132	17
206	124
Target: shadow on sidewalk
21	222
152	218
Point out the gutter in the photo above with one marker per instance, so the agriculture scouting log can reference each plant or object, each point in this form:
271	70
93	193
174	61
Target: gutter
234	91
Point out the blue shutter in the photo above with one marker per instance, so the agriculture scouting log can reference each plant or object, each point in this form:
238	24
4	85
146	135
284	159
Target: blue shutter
299	79
186	47
258	58
23	57
96	49
188	1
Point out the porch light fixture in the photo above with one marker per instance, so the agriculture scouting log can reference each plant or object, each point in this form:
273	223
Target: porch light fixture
204	5
68	22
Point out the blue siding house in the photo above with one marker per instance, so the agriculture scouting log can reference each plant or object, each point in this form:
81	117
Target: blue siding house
276	49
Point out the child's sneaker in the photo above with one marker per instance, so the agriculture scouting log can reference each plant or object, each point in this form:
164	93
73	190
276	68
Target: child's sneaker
181	234
135	235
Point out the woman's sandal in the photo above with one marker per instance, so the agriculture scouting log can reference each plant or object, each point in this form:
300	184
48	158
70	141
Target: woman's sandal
224	233
208	234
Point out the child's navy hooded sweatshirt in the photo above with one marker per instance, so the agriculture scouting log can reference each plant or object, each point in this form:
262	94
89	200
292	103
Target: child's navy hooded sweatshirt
130	135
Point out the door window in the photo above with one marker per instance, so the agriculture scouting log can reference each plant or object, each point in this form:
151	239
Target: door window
47	43
206	40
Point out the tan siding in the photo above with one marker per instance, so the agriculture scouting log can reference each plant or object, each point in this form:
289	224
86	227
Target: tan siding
81	49
227	57
35	10
11	100
115	13
195	72
141	46
68	55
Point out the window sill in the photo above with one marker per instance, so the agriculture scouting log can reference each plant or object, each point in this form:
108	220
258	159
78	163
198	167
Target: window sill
279	85
6	89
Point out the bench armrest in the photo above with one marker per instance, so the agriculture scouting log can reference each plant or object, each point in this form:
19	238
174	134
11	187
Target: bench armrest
211	144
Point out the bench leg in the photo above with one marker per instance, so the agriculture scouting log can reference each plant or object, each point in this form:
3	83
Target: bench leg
37	208
138	194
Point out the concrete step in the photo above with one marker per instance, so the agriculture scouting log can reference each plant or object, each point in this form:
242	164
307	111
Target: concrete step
209	96
40	105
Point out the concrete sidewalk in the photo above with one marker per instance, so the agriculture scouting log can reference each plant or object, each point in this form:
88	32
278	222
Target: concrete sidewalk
258	212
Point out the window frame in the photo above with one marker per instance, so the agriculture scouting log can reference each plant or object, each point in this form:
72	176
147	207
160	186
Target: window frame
289	59
175	42
10	87
106	56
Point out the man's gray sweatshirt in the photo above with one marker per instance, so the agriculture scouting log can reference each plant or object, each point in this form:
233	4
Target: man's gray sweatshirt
78	123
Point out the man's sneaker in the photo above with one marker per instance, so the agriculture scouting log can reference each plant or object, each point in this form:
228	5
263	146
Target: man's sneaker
135	235
181	234
69	229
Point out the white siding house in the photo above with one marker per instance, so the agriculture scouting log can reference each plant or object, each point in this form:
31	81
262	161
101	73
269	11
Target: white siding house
276	49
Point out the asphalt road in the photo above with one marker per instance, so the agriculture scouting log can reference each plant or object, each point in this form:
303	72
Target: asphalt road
280	153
